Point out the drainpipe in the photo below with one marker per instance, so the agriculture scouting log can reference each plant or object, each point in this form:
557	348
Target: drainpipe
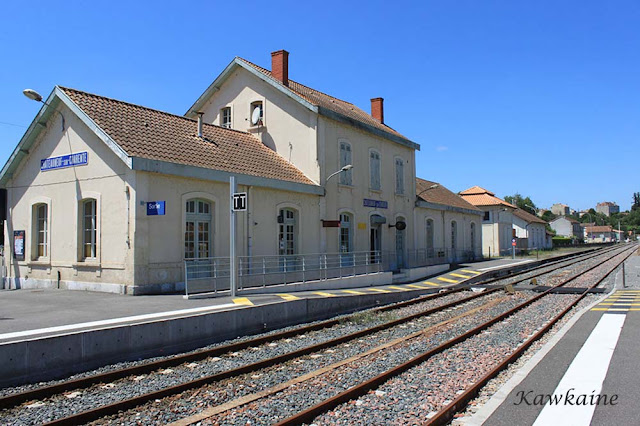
249	227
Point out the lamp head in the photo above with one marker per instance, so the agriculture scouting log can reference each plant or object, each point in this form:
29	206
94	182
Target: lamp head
32	94
347	167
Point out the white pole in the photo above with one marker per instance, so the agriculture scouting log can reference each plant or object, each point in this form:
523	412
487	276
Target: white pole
233	271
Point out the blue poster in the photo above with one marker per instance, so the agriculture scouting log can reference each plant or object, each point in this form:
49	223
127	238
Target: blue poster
155	208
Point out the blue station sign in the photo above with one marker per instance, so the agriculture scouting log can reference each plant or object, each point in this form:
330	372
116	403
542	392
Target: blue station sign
155	208
375	203
71	160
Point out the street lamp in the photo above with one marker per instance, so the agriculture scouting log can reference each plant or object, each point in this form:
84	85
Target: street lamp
344	169
35	96
434	186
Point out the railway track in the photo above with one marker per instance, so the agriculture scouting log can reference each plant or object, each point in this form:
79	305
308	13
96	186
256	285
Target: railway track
458	299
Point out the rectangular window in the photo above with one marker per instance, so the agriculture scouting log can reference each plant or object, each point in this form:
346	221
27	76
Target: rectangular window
486	216
374	170
257	114
225	117
42	246
399	176
89	229
345	160
345	233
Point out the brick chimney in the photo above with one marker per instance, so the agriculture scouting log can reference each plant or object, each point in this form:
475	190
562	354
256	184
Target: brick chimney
280	66
377	109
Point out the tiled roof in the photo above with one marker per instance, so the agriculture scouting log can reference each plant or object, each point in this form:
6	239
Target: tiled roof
440	195
605	228
156	135
329	102
527	217
481	197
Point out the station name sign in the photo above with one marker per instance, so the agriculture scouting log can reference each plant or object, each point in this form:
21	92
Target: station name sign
71	160
375	203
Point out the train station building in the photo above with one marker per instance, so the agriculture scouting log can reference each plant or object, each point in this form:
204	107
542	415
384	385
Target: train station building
110	196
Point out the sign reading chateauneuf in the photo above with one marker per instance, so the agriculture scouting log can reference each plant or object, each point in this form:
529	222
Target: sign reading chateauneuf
71	160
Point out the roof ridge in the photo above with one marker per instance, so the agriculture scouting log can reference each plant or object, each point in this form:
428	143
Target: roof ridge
151	109
297	82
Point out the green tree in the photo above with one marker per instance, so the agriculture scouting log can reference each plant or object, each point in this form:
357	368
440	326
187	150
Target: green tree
636	201
521	202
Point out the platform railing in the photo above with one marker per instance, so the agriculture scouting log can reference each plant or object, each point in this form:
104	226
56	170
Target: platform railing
211	275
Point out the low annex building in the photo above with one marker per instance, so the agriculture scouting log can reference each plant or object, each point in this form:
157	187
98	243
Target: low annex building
449	225
497	220
567	227
117	196
531	231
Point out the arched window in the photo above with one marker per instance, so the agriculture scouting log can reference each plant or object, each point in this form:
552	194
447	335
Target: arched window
346	237
41	231
473	236
454	234
374	170
197	233
430	234
288	231
89	229
345	160
399	176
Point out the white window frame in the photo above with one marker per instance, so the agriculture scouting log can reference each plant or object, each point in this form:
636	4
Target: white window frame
93	229
346	230
374	170
253	105
224	123
345	154
289	226
201	214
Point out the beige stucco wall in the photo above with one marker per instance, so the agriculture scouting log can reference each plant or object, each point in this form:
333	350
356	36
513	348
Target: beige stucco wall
104	178
442	220
497	232
289	127
160	239
350	198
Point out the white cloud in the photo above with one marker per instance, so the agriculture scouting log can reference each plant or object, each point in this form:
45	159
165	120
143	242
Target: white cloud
441	148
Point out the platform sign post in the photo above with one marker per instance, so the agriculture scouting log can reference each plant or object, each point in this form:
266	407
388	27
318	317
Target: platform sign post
513	248
233	271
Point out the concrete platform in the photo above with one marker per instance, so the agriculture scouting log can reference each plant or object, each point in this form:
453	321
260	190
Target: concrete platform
596	354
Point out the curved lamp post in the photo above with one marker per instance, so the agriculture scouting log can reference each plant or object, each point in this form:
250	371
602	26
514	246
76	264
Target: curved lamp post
35	96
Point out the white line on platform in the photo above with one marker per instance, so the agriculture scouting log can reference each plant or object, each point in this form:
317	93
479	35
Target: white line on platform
113	321
585	375
505	265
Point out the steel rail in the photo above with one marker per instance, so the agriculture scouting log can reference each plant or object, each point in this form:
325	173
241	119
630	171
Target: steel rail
307	415
96	413
84	382
13	400
459	403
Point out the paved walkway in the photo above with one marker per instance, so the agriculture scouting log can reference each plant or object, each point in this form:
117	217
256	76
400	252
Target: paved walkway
591	373
28	314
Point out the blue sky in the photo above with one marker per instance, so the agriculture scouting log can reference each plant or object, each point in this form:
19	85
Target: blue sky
536	97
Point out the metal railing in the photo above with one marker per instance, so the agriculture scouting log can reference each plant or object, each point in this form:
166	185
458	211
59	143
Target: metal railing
213	274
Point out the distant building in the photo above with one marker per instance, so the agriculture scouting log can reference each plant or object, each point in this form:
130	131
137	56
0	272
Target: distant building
567	227
600	234
497	220
560	209
530	231
541	212
607	208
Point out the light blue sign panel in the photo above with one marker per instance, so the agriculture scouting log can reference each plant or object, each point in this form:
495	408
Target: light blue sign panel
71	160
155	208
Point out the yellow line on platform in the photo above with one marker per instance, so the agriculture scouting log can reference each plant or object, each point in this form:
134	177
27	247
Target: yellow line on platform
242	301
466	277
470	271
430	283
619	304
447	280
322	293
395	287
288	296
416	286
379	290
353	292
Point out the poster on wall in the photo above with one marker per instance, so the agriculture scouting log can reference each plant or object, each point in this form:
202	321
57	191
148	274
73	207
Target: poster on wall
18	245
